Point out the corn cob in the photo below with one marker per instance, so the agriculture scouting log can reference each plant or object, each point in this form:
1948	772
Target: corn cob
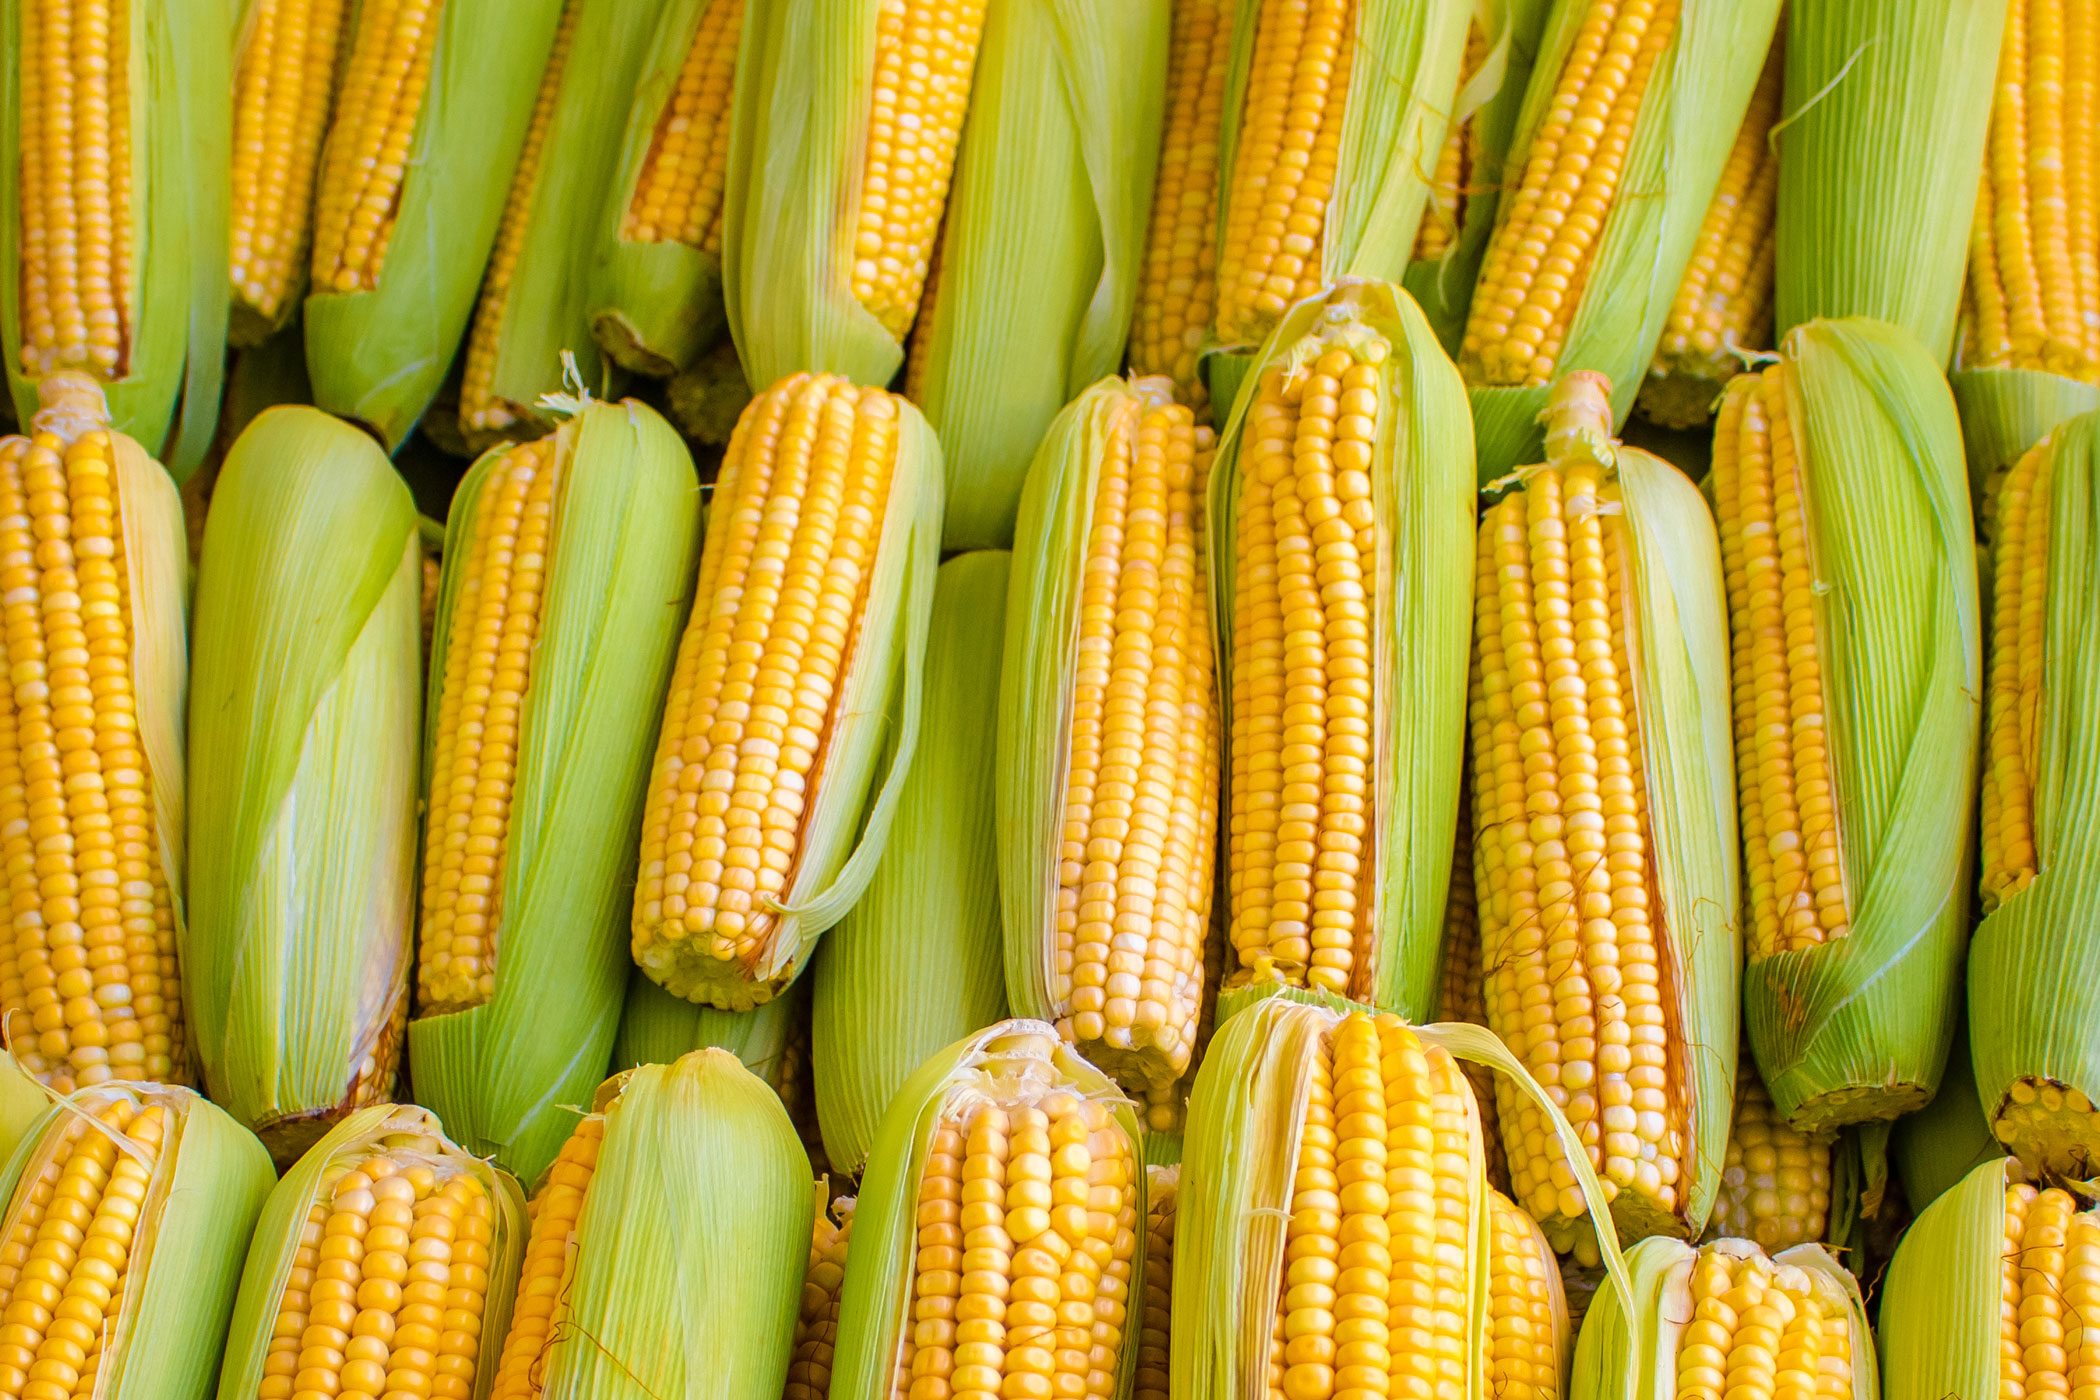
1462	987
1528	1337
997	1246
816	577
656	290
1725	1318
385	1195
917	964
1108	737
2028	356
1723	308
1993	1291
1604	825
1889	104
2033	1028
1162	1190
817	1325
1342	785
1845	535
92	772
411	192
684	1184
1178	281
569	563
113	210
830	213
128	1213
1622	139
303	749
1775	1180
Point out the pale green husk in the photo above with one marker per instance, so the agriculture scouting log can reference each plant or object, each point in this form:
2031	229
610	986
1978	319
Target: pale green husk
1942	1142
22	1103
691	1245
1688	121
2006	411
1629	1345
1888	103
2034	968
1941	1307
1392	130
1041	247
1857	1028
1011	1062
207	1186
272	1254
653	306
1246	1119
1423	492
303	750
380	356
618	573
916	965
180	68
868	751
656	1027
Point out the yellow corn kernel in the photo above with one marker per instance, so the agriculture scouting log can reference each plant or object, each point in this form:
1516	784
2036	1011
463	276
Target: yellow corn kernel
366	156
678	196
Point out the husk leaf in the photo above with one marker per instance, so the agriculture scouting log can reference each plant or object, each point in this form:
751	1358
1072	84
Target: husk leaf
916	965
656	1027
2006	411
1940	1303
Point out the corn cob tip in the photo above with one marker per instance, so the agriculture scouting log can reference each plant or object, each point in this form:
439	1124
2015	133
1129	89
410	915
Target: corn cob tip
1578	419
2049	1125
71	403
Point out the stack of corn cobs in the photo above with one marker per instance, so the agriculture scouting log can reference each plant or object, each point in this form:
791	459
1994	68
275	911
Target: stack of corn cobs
1202	699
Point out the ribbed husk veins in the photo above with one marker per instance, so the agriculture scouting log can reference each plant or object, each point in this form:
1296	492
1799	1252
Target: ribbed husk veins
617	570
303	728
1856	1027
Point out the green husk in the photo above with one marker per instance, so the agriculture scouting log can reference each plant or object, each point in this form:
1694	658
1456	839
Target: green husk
2006	411
303	743
1857	1028
22	1103
272	1255
867	752
2034	968
181	124
1948	1138
1423	491
379	356
1941	1303
657	1027
618	574
1888	104
1012	1062
690	1248
1630	1342
916	966
1043	240
1490	99
654	307
1688	121
167	1323
1392	130
1246	1120
543	338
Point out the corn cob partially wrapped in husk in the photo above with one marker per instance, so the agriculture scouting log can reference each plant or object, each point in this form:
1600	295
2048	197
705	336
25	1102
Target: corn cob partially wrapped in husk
1934	1148
569	561
1625	130
531	335
681	1197
847	120
1108	736
1334	115
917	965
1342	495
998	1237
113	209
1887	104
817	1325
303	749
385	1198
795	705
1604	843
92	763
1334	1229
655	289
129	1208
1726	1318
1993	1291
431	119
2034	1008
1041	244
1838	484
